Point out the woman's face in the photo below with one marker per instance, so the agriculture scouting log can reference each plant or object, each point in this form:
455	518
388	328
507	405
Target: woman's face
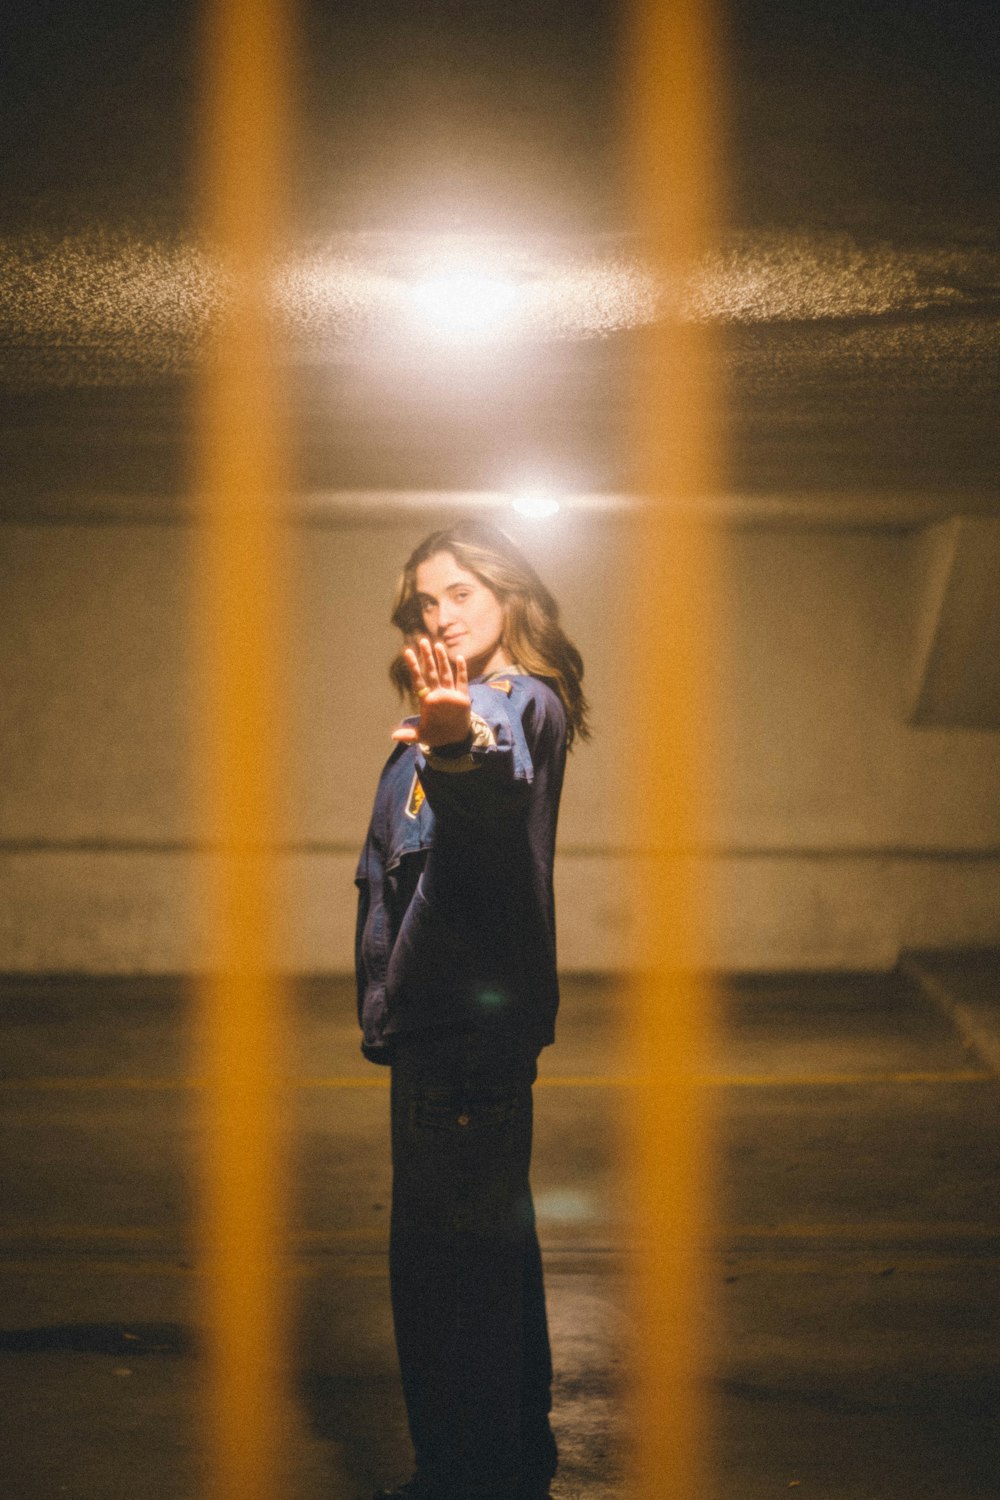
462	612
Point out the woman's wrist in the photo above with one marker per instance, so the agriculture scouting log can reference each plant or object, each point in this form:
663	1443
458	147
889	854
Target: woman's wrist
458	754
452	749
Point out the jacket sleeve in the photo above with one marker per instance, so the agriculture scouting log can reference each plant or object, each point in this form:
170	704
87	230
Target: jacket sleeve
492	783
371	950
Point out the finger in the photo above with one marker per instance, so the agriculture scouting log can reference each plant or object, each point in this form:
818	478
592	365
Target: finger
443	666
416	675
427	663
461	674
406	734
412	660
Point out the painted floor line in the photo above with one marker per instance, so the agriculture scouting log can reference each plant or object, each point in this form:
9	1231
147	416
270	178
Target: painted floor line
883	1232
564	1081
781	1080
376	1266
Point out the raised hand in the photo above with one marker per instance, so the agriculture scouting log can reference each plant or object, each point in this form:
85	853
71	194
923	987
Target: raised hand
443	693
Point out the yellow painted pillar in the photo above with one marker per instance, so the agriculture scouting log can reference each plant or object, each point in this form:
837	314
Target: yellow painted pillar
240	484
672	82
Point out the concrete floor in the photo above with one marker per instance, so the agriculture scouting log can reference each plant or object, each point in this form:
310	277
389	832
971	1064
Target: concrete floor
856	1278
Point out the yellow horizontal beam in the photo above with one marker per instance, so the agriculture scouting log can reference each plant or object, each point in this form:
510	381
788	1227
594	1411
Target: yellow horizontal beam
887	1232
85	1084
376	1266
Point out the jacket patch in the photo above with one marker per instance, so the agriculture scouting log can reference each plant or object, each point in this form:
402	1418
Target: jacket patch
415	800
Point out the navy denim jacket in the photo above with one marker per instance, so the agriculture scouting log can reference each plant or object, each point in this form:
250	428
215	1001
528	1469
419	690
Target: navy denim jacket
456	921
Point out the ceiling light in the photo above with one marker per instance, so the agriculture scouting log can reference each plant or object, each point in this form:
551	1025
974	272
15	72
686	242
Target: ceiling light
537	504
463	304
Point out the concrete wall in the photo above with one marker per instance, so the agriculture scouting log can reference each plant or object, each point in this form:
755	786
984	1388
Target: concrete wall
839	831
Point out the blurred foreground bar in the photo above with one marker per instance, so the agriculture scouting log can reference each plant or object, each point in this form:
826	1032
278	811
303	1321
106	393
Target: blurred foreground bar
672	83
240	487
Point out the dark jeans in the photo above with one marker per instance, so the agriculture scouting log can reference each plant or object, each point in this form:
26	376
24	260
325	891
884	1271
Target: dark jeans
465	1270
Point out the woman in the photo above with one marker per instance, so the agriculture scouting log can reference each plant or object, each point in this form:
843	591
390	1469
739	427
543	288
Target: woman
457	990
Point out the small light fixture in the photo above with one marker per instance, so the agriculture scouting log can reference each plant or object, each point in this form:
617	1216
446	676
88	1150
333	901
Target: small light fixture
463	304
536	504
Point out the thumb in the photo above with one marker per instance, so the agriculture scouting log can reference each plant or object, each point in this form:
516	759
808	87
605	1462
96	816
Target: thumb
406	734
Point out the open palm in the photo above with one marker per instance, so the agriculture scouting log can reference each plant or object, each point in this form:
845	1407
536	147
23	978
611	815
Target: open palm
443	693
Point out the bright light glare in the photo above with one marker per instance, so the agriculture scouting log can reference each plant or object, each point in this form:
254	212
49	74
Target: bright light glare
463	304
536	504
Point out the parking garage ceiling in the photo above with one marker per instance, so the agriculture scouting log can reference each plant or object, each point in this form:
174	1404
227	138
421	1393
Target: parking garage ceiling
857	286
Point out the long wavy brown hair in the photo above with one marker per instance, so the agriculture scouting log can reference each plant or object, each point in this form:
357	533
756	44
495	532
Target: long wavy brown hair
532	635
